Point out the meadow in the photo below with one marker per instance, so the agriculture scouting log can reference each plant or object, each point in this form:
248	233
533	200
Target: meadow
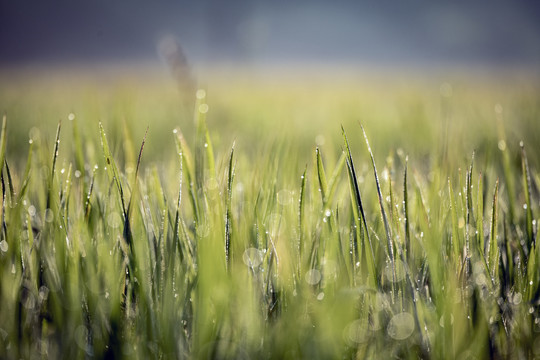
331	215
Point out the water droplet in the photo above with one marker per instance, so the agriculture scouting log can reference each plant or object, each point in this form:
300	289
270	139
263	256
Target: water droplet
313	277
327	212
284	197
77	174
203	108
320	297
252	257
401	326
71	116
32	210
4	246
200	94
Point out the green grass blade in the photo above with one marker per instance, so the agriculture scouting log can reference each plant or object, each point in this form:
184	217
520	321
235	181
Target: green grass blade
53	167
301	216
228	215
358	210
323	186
387	229
406	211
112	170
527	189
493	248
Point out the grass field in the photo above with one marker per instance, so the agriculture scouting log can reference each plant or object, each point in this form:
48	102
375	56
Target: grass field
346	216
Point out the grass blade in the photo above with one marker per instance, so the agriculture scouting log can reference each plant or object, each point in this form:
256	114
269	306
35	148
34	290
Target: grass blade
228	215
406	211
383	213
527	188
358	210
323	186
301	206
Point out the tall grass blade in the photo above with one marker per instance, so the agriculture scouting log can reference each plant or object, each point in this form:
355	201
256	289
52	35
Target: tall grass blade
383	213
112	170
358	211
406	211
53	167
493	248
323	186
527	188
301	215
228	215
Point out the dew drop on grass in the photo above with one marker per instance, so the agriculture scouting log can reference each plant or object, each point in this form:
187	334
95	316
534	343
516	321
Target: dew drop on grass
77	174
284	197
4	246
502	145
401	326
517	298
200	94
71	116
320	297
32	210
252	257
327	212
203	108
313	276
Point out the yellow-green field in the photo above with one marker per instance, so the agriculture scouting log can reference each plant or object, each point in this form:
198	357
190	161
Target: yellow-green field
247	224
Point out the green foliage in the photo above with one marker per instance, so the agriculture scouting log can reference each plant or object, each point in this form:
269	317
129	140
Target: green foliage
101	256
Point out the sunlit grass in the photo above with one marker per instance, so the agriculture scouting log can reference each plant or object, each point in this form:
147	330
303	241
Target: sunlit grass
258	228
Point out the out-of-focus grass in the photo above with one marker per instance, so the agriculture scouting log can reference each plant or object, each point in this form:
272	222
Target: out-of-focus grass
210	252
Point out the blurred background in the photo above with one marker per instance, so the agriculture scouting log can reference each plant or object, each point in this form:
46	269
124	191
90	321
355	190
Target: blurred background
414	33
416	73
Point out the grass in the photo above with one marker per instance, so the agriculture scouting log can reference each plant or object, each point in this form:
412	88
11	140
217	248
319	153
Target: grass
225	238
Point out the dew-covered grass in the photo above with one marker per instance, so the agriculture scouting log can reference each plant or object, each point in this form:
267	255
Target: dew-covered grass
322	219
